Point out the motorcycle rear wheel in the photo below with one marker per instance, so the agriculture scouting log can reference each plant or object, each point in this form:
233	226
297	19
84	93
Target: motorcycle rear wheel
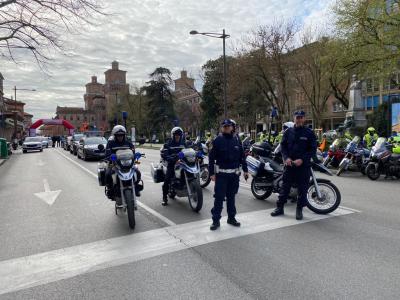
330	201
260	194
196	200
130	209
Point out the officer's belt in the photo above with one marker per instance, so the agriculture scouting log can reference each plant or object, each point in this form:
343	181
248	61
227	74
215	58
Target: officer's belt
226	171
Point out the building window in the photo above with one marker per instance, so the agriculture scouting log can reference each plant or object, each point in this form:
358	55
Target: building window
71	118
337	107
92	118
369	85
77	118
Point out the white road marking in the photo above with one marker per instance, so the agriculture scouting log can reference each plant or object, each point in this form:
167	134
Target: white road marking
47	267
142	205
48	195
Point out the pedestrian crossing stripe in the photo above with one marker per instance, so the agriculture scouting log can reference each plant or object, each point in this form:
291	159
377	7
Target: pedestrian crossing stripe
38	269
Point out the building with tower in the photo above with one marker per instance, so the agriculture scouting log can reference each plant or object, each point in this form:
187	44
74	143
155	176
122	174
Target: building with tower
100	101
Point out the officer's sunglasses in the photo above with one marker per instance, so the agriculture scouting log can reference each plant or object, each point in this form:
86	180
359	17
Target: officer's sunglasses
299	117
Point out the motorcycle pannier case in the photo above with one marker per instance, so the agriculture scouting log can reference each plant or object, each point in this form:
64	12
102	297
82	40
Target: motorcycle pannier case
157	173
101	173
253	165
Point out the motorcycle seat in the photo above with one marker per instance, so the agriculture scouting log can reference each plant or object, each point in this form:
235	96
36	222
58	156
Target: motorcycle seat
274	165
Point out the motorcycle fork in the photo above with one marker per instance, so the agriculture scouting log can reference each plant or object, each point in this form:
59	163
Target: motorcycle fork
187	186
316	185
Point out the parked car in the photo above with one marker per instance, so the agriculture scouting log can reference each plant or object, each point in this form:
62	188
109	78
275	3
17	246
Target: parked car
67	144
89	148
32	143
75	143
45	141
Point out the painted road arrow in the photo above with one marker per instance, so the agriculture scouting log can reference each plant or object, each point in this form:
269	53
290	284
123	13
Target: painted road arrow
48	195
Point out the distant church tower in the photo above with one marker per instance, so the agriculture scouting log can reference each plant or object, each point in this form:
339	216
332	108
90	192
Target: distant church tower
115	87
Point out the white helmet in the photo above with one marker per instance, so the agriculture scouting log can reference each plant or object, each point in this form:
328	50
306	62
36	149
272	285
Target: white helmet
176	130
118	130
287	125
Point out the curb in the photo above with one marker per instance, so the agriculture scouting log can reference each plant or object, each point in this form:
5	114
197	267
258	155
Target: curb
2	161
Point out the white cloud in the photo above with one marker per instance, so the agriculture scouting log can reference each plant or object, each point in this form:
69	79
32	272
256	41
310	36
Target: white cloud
143	35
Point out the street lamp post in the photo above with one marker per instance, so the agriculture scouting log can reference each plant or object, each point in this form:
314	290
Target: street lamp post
222	36
15	107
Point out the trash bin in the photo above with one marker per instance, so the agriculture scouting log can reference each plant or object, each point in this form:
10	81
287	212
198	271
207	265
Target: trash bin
3	148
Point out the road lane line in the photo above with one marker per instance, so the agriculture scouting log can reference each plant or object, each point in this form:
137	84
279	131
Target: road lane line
43	268
141	204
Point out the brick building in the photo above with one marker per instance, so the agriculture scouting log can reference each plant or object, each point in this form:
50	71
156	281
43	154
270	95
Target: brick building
187	97
100	102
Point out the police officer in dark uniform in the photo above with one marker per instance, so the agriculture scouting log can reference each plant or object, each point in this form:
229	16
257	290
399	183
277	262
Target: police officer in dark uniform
118	141
299	145
225	158
170	153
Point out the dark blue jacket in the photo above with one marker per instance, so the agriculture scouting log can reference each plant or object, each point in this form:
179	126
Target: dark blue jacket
299	143
227	152
171	149
113	146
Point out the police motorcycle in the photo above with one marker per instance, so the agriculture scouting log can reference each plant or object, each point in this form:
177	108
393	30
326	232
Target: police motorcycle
383	161
336	152
186	182
323	196
354	155
123	163
202	149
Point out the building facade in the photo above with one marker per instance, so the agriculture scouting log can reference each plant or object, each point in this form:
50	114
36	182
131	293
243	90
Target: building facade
100	100
187	103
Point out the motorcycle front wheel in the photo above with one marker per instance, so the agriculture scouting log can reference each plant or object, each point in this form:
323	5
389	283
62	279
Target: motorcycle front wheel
326	161
204	176
130	207
259	192
329	201
342	167
196	200
372	172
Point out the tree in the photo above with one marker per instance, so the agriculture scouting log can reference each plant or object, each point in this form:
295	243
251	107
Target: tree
212	104
269	46
379	120
160	99
37	26
371	30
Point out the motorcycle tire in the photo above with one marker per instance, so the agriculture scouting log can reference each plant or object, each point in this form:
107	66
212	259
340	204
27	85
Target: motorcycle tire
326	161
372	173
130	207
204	182
260	196
321	207
342	167
196	201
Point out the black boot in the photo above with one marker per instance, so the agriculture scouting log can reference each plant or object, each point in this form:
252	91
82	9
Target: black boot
233	222
214	225
165	200
299	213
278	211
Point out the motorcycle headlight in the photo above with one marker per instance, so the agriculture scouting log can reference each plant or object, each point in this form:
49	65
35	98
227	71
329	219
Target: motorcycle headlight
126	162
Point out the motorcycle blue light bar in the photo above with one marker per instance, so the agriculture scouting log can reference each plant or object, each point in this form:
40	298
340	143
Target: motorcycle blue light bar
113	157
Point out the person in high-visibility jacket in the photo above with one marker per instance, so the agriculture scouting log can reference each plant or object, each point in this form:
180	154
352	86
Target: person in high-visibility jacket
263	136
370	137
285	126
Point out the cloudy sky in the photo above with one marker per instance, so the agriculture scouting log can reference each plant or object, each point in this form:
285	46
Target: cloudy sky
143	35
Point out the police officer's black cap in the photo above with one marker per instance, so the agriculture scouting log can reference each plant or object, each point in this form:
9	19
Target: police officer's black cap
227	122
299	113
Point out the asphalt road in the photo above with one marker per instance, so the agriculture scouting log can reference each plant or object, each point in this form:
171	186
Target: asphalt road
77	248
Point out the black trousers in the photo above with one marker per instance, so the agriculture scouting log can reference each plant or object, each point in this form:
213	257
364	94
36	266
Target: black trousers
300	176
226	186
168	177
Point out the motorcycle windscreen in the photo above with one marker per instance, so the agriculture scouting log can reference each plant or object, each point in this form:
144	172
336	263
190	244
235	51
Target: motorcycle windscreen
380	146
